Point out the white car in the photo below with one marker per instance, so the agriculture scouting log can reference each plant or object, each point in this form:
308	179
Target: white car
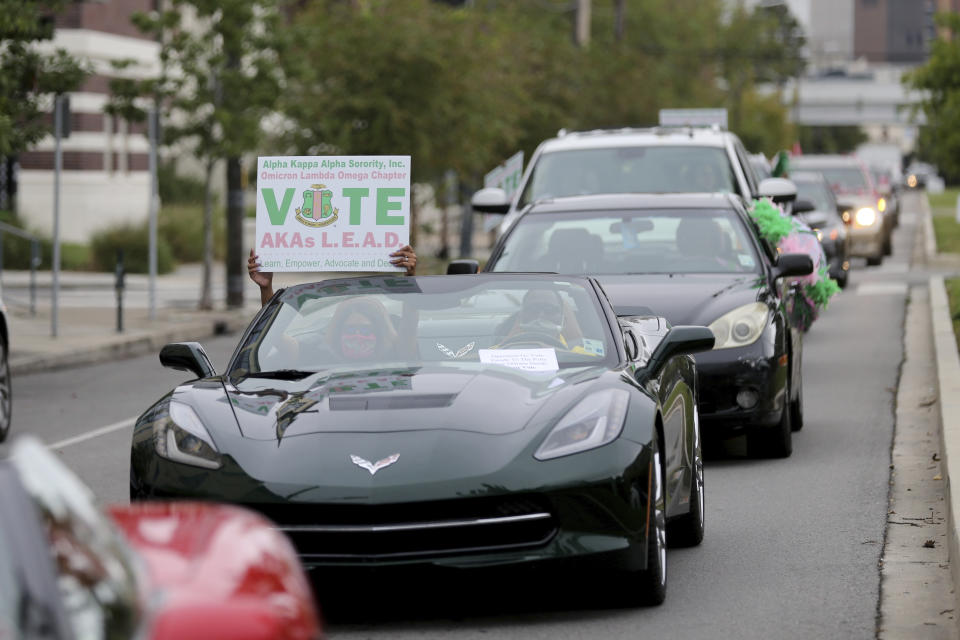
654	160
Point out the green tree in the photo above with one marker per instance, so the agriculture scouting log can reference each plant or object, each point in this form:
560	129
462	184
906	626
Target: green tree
762	44
220	77
28	76
939	80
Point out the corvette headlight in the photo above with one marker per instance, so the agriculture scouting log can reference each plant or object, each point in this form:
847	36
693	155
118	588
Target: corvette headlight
740	327
865	217
181	437
593	422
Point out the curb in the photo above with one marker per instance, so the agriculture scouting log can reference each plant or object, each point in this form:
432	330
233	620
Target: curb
948	392
132	345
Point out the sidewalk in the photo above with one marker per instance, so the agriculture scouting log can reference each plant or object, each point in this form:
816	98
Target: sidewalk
947	368
87	312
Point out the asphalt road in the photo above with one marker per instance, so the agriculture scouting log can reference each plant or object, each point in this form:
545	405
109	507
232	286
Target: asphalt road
791	548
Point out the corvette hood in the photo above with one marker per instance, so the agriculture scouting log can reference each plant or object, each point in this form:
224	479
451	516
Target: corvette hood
682	298
438	396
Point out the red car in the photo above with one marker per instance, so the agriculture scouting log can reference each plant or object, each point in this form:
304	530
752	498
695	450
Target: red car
150	570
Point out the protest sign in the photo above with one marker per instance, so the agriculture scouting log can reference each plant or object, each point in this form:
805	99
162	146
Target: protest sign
507	177
332	213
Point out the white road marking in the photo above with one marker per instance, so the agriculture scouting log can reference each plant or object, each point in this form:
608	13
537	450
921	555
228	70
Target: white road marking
882	289
90	435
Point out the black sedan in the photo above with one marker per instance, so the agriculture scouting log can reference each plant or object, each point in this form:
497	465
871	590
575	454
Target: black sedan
448	421
694	259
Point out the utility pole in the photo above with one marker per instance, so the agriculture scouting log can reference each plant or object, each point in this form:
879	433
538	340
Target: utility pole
619	15
581	24
235	213
153	126
61	129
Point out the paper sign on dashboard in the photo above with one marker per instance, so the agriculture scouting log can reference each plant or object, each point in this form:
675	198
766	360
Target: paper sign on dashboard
524	359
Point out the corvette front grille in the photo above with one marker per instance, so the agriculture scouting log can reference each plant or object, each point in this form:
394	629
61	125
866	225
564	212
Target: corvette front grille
331	532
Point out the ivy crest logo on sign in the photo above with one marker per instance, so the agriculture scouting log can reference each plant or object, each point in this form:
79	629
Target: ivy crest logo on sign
306	214
353	212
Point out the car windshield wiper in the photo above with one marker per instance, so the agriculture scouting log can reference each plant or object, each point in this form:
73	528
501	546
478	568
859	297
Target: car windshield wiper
281	374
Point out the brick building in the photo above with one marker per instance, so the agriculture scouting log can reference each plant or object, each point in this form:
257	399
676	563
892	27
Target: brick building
105	177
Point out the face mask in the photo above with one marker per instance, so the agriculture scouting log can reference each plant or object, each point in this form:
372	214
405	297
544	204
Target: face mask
358	345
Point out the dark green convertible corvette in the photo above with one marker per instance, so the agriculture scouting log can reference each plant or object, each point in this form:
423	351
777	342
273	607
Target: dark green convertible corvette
454	421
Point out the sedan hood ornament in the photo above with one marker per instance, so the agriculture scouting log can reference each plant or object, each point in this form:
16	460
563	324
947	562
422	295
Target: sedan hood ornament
373	467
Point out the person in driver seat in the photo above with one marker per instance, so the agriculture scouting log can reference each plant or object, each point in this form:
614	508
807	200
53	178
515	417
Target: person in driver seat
544	320
361	330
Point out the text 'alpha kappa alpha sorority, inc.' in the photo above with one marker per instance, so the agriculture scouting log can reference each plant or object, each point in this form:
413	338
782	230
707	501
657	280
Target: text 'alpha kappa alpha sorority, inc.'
332	213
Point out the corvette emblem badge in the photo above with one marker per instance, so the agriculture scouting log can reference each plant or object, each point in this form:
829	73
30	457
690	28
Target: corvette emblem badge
373	467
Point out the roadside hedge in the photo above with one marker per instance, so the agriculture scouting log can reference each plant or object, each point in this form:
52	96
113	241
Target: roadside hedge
134	240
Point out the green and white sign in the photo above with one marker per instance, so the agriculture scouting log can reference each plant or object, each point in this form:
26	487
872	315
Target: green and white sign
332	213
507	177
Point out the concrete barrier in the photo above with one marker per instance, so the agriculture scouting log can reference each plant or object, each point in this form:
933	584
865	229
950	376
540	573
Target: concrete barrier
948	392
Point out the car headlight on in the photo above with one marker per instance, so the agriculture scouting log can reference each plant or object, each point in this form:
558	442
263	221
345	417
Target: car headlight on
882	205
593	422
740	327
865	216
181	437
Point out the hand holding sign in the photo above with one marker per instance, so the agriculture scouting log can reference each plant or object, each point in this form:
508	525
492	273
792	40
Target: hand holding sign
405	257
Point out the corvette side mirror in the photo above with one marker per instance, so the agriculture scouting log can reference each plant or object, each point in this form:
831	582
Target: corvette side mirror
461	267
187	356
680	340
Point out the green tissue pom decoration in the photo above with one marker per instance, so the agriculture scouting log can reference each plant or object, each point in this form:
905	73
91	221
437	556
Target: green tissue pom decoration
773	226
821	292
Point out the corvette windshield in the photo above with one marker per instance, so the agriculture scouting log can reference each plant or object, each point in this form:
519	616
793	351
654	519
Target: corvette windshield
648	169
379	321
618	242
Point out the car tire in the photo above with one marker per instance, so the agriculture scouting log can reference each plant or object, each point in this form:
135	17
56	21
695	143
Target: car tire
796	408
888	246
842	279
687	530
652	581
775	442
6	392
873	261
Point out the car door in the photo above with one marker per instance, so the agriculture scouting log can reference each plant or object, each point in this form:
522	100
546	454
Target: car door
674	390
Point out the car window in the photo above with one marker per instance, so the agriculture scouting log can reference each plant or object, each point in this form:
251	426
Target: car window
408	322
747	168
644	241
95	568
844	179
641	169
817	193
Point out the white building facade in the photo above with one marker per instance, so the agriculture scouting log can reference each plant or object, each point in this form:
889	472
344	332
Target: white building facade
105	179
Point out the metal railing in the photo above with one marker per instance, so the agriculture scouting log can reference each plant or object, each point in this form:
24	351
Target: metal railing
34	258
